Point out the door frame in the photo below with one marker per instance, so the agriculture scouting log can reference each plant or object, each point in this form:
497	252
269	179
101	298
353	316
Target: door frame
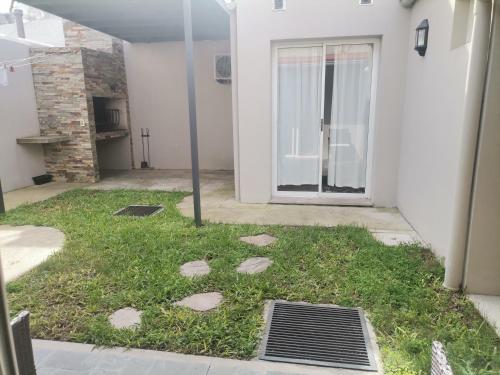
322	196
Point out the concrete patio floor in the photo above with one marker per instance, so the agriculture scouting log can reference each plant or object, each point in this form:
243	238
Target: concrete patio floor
62	358
220	206
167	180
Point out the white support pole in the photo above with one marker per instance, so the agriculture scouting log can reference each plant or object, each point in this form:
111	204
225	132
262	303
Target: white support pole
195	170
8	361
476	80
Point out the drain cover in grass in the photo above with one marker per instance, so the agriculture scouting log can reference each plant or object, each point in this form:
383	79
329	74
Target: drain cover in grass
139	210
320	335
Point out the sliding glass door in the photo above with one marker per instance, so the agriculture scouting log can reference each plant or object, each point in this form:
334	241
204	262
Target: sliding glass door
323	102
346	116
300	72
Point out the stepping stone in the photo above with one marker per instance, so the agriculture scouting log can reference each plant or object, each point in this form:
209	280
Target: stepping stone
254	265
259	240
125	318
25	247
201	302
196	268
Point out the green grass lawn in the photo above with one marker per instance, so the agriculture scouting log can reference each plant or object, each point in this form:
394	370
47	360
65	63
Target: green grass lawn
113	262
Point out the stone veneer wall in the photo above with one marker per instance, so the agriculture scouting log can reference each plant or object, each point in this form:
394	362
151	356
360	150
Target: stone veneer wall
63	110
76	35
65	82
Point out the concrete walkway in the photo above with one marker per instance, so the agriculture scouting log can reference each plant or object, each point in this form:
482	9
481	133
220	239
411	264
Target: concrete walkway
24	247
37	193
220	207
61	358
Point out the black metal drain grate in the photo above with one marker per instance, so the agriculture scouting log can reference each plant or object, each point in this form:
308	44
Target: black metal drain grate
320	335
139	210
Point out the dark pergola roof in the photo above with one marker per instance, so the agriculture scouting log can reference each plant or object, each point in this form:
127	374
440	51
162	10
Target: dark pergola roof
139	21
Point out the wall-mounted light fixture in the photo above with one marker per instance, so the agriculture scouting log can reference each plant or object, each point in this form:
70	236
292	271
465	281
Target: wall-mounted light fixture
421	37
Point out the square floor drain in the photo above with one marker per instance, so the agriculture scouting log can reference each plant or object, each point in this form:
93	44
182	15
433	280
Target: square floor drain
320	335
139	210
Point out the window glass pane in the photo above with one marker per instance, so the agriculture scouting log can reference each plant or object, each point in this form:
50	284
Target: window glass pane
347	111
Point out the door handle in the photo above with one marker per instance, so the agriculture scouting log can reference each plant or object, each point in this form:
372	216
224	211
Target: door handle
322	122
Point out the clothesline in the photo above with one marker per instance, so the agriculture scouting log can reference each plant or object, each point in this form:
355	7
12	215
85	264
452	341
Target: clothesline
25	58
17	63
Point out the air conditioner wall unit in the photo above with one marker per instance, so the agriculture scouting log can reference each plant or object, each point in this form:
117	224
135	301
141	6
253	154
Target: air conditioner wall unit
222	68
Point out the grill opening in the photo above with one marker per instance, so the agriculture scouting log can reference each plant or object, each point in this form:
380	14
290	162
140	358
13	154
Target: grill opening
320	335
139	210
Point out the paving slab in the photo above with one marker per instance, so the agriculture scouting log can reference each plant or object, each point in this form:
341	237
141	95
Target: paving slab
202	301
24	247
254	265
195	268
179	368
263	239
113	364
128	318
68	360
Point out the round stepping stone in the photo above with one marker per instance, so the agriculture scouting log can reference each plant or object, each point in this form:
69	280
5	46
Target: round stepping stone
201	302
125	318
259	240
196	268
254	265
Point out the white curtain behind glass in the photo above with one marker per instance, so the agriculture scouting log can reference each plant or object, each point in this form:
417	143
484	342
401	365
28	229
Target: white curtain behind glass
299	108
350	114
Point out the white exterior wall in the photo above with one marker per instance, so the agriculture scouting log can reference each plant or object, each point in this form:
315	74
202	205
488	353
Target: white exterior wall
18	118
258	26
432	123
48	31
156	75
